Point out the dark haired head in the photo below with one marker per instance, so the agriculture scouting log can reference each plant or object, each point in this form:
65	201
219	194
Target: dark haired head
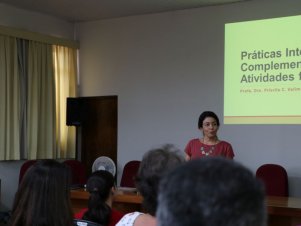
99	185
211	192
43	197
206	114
154	165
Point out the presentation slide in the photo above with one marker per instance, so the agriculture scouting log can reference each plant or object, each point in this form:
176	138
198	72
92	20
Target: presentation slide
262	77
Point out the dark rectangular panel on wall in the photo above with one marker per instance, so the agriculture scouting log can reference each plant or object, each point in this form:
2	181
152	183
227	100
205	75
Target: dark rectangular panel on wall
74	111
98	134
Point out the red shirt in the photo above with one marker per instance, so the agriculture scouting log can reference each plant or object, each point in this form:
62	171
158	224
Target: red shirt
196	149
114	218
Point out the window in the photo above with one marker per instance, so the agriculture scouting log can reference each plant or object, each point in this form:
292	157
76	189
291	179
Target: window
35	80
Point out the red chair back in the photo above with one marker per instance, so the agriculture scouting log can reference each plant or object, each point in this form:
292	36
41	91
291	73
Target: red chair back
26	165
274	178
129	172
78	171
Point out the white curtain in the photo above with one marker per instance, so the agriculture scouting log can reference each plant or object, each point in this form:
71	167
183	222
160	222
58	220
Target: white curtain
9	100
65	64
35	80
40	102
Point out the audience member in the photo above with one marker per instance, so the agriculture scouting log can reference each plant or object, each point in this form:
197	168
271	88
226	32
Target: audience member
43	197
153	166
209	144
101	187
211	192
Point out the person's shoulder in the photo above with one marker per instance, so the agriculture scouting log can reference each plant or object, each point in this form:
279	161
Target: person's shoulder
80	214
194	140
117	214
145	219
224	143
129	219
115	217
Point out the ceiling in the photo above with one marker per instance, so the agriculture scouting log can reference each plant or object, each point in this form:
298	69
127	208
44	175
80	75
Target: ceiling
88	10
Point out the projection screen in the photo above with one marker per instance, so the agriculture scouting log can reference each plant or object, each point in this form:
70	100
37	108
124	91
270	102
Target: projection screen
262	71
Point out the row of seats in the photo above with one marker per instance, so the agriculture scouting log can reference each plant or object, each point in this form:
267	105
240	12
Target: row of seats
78	170
274	176
79	176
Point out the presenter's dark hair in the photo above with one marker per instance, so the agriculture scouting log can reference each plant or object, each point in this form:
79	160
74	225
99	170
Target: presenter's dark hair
43	197
211	192
206	114
99	185
155	163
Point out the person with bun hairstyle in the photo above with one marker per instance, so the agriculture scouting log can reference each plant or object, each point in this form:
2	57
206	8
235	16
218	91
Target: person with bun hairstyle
101	187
